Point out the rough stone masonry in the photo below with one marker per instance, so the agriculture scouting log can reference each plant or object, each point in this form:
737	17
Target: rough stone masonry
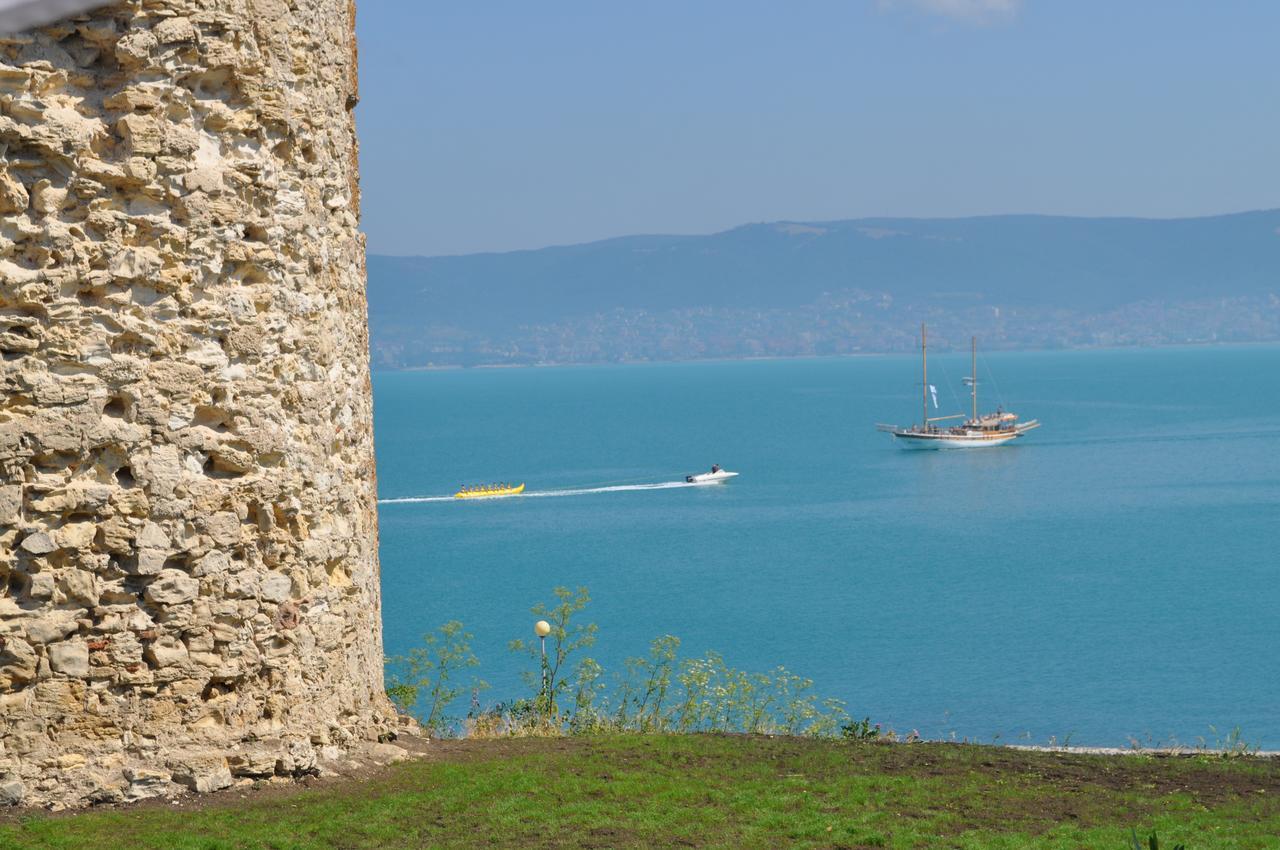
188	564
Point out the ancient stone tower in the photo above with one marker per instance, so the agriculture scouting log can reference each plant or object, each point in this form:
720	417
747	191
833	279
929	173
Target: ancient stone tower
188	563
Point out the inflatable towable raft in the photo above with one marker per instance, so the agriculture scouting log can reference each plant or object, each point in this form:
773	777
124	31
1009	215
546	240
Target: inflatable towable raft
489	491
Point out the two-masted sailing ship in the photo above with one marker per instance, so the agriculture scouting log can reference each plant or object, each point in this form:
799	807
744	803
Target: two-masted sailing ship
989	429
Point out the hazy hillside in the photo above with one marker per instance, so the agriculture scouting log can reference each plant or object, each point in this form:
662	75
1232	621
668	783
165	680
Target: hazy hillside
831	287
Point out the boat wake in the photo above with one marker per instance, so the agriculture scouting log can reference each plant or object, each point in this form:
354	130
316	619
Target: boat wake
546	494
617	488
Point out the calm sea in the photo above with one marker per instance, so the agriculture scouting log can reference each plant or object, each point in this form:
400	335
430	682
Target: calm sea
1113	576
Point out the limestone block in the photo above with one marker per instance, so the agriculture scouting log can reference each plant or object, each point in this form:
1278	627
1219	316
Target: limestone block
275	587
199	640
222	632
166	652
153	536
145	783
240	586
139	169
203	180
125	649
135	264
143	135
151	561
41	586
388	753
77	535
80	586
10	503
135	47
46	198
174	30
40	543
17	662
12	792
50	629
83	498
257	761
70	658
201	773
172	587
212	563
13	195
159	470
231	459
71	761
223	528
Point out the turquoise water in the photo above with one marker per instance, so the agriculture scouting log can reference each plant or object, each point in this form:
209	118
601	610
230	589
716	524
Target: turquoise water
1112	576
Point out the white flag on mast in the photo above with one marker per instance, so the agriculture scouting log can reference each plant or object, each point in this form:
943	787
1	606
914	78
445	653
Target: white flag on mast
933	391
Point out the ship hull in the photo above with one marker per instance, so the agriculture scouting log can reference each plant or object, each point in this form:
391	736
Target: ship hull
710	477
910	438
951	441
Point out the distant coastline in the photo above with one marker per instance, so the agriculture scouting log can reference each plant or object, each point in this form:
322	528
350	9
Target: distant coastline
1171	346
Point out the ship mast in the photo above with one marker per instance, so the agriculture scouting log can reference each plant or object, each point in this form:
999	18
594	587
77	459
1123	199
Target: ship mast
924	389
973	379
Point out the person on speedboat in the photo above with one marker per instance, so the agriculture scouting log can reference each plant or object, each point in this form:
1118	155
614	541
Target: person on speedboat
715	467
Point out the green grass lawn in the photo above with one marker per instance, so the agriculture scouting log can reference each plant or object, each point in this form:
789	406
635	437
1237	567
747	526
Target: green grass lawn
715	791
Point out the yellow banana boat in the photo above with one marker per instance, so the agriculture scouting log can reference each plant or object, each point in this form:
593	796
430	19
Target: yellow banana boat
489	491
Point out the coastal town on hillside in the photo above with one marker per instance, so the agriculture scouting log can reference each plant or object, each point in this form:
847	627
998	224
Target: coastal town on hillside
848	323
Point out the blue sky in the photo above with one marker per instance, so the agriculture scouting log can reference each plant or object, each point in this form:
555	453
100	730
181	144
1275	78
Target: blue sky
493	125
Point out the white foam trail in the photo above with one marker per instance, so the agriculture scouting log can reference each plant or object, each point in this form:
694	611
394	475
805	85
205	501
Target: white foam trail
617	488
414	499
545	494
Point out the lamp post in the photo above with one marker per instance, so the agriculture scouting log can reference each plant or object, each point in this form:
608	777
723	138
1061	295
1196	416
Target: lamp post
542	628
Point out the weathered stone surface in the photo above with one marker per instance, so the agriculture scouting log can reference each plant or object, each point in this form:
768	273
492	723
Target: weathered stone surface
10	503
13	195
388	753
18	663
70	658
39	543
145	783
275	587
203	772
12	792
175	30
166	651
172	587
188	568
50	628
255	761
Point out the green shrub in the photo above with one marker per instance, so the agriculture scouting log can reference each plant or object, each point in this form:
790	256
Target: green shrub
424	675
655	693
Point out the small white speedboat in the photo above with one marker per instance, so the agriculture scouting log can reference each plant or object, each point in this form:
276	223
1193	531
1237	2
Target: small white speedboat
715	476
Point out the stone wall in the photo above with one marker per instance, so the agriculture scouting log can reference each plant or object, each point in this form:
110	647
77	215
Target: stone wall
188	544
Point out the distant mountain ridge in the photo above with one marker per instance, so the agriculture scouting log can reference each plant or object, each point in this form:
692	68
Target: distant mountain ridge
831	287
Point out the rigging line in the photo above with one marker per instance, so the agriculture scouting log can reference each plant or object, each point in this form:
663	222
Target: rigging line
946	378
994	386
